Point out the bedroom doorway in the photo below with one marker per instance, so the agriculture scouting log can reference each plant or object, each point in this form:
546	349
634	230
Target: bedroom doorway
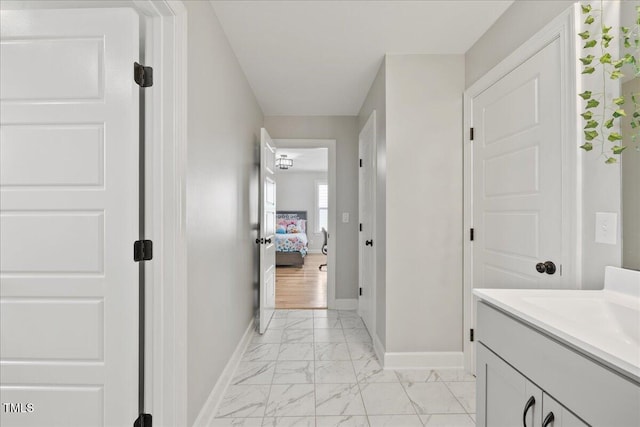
305	204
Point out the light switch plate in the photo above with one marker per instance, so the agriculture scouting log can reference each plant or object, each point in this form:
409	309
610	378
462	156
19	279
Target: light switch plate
345	217
606	227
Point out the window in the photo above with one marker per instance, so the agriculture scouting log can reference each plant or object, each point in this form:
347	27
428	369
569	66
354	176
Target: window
322	206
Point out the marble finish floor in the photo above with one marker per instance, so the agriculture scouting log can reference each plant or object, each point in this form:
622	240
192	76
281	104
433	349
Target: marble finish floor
318	368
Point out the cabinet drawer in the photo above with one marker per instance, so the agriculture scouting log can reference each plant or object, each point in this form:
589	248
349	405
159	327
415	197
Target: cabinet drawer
599	395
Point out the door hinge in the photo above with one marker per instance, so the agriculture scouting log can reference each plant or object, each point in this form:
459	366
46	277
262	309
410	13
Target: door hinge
360	162
142	250
142	75
144	420
360	291
360	226
471	134
471	337
471	234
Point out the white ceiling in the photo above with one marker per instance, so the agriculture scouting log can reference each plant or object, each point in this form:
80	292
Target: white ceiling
306	159
320	57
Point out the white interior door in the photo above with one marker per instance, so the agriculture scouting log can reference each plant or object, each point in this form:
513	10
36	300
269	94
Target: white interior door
517	176
266	239
69	217
366	208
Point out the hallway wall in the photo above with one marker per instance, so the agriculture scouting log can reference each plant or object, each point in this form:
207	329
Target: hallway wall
344	130
224	122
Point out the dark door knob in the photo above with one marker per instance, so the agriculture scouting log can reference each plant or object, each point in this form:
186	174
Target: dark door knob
550	267
541	268
267	240
259	241
368	243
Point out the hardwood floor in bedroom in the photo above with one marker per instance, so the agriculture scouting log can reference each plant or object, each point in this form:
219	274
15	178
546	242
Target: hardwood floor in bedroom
302	287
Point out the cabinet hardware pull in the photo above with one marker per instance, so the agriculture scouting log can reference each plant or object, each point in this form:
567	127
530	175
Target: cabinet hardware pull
548	419
527	406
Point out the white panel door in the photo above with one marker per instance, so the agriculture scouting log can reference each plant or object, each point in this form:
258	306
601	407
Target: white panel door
517	185
267	238
366	208
69	217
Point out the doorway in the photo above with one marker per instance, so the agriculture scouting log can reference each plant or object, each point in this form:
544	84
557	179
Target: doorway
305	224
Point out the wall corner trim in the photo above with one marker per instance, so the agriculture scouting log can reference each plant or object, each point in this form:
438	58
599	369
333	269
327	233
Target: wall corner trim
210	407
424	360
346	304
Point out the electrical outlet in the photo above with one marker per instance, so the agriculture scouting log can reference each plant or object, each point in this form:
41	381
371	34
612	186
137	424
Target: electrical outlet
606	227
345	217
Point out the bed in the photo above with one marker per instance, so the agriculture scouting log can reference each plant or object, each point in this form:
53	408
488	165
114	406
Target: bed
291	238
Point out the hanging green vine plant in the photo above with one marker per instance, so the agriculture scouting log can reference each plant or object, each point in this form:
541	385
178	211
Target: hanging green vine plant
600	114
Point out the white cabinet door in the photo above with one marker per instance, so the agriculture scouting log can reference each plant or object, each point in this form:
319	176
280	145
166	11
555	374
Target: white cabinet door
366	208
556	415
505	397
267	239
69	217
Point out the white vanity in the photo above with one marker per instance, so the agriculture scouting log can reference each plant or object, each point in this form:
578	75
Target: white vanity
560	358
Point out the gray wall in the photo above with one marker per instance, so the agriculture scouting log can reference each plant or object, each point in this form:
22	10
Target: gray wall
516	25
344	130
376	100
224	118
296	191
424	202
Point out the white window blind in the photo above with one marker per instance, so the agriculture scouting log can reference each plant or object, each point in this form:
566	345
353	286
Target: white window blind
322	203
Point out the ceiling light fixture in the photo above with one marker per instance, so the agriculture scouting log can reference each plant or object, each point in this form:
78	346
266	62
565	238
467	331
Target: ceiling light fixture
283	162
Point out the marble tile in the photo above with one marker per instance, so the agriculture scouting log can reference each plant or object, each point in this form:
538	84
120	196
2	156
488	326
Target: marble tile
271	336
370	371
254	373
236	422
447	420
334	372
348	313
296	372
299	323
465	392
342	421
325	313
453	375
328	335
433	398
332	351
289	422
278	323
297	336
385	399
394	421
244	401
291	400
352	323
416	375
338	399
296	351
327	323
357	335
261	352
300	313
280	314
361	351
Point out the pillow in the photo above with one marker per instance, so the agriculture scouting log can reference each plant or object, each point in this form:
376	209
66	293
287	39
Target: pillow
281	230
302	225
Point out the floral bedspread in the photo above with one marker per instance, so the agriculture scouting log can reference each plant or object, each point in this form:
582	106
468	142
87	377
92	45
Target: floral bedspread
292	242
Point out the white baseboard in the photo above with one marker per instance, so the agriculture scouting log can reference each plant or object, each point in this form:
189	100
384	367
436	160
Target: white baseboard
208	411
346	304
379	349
424	360
314	251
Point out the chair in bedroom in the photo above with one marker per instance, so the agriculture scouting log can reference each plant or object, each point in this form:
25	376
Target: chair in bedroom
325	236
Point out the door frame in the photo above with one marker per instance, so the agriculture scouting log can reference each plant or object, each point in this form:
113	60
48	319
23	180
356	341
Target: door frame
371	121
163	35
562	28
330	144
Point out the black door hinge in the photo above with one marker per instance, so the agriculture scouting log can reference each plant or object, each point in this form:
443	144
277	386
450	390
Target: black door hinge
360	226
144	420
471	134
471	337
471	234
360	291
142	250
142	75
360	162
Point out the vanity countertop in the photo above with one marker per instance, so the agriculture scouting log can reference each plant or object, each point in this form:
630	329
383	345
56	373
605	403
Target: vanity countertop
604	324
